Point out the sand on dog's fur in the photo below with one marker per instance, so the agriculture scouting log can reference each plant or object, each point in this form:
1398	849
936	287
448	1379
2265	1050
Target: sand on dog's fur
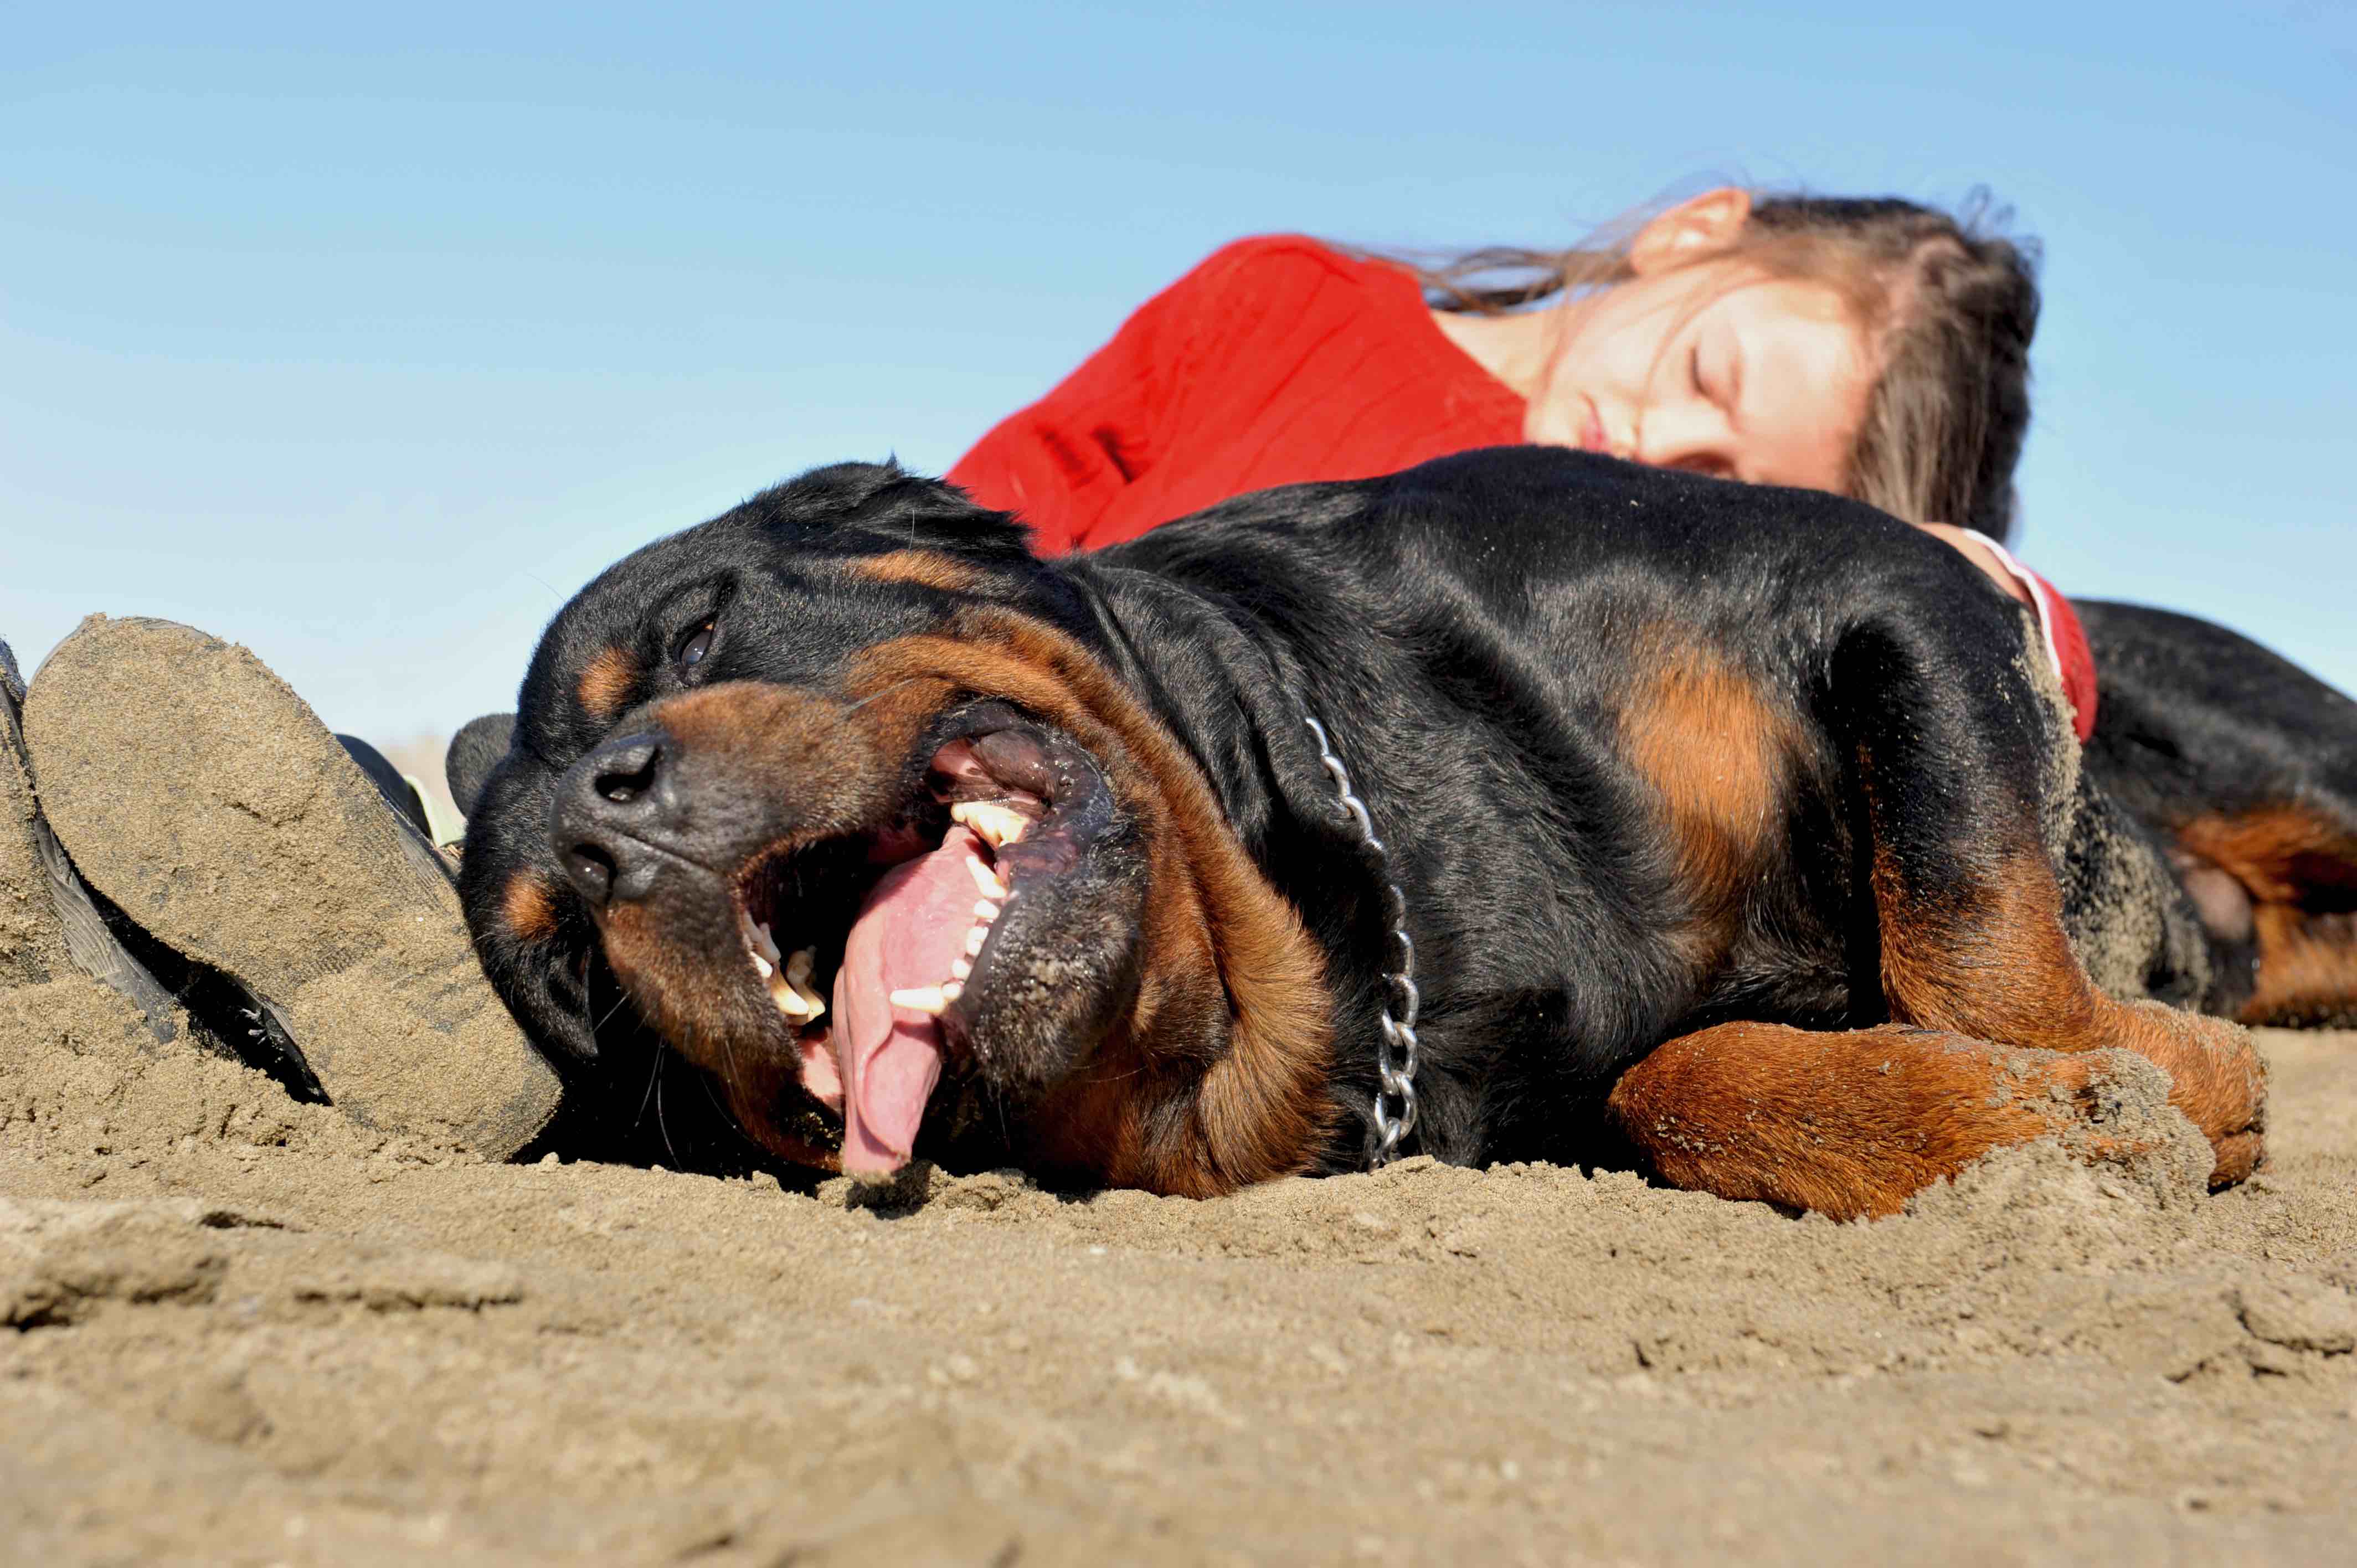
247	1330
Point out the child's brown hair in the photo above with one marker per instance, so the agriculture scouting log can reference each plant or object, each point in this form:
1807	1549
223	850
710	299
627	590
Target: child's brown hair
1948	302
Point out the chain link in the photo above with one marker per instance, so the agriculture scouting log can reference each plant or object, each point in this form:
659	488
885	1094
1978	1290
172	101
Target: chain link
1395	1047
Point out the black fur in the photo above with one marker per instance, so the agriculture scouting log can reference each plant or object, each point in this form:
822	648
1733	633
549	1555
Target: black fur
473	752
2195	722
1473	633
2196	718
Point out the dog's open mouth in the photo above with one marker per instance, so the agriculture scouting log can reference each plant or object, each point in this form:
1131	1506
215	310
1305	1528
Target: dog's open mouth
887	953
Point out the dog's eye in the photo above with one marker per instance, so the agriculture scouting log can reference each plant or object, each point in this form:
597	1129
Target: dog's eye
694	646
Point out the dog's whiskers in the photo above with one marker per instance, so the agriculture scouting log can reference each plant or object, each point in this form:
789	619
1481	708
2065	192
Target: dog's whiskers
608	1018
885	691
655	1072
663	1125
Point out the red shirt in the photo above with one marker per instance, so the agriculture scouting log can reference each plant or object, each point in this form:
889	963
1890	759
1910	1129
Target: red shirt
1276	361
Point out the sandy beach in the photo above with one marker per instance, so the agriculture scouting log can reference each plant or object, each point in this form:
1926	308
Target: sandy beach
245	1330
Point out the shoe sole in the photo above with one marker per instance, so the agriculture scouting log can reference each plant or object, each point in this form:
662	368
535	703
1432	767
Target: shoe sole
210	804
46	917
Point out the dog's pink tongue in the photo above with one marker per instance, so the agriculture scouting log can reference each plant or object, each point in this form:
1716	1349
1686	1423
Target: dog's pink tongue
910	928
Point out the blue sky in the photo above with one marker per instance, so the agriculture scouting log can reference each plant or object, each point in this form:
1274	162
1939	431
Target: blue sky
365	335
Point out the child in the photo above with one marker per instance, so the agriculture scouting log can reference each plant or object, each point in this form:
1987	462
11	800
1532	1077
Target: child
1869	347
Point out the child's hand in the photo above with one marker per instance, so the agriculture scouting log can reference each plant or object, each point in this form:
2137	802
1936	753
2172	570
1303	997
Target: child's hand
1981	556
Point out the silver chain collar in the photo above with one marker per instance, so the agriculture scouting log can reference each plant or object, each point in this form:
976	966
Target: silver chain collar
1395	1076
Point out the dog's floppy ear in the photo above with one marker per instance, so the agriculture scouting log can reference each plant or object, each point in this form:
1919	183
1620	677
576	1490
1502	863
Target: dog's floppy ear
532	933
474	751
896	507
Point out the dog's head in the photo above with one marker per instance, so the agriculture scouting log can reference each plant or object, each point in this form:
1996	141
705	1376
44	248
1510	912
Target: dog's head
841	789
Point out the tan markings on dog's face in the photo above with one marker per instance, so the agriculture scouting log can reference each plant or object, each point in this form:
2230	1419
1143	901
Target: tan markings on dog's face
843	761
1228	966
671	984
1217	1076
605	682
526	907
841	765
926	568
676	991
755	1091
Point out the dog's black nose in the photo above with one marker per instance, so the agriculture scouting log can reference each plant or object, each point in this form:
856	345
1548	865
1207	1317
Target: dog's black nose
612	806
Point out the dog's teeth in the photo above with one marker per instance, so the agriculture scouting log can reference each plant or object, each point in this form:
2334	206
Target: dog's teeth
925	998
798	981
989	886
789	979
960	969
758	946
985	911
1002	826
757	940
788	1000
951	992
973	940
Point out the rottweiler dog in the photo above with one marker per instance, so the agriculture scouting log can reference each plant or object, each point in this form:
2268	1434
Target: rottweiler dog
2243	768
1732	833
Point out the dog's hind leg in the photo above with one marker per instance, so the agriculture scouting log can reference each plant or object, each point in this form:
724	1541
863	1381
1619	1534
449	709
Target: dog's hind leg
1853	1122
1954	797
1957	802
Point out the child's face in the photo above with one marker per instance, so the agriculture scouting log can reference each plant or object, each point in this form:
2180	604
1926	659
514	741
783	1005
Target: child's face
1714	366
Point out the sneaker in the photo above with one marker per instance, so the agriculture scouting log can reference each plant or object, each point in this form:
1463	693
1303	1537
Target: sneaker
205	799
50	924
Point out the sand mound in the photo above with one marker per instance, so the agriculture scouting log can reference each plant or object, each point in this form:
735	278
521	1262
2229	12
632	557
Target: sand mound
243	1329
79	1075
